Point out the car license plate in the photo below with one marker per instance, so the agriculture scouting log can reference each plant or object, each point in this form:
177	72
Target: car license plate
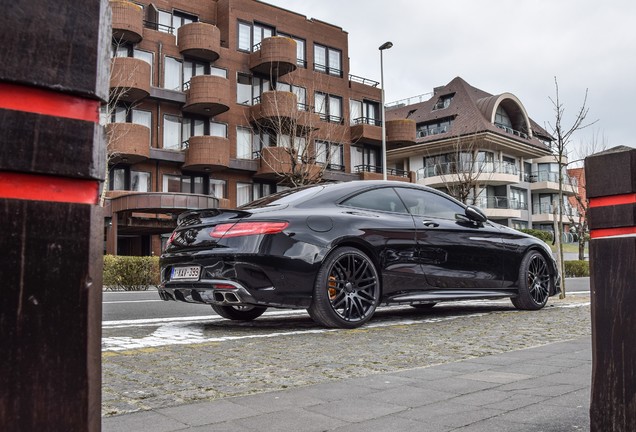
186	273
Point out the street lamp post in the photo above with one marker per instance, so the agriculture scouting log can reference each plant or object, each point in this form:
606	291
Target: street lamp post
384	46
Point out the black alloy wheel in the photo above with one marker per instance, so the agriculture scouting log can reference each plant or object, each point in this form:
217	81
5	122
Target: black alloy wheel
534	282
239	313
347	290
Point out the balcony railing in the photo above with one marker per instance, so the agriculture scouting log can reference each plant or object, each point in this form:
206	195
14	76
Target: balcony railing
366	120
432	131
500	202
512	131
328	70
553	177
568	210
450	168
364	81
330	118
159	27
378	169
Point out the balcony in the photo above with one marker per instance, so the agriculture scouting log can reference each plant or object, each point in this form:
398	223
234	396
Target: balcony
374	172
208	95
128	22
501	207
274	57
127	142
548	182
199	40
207	153
366	130
486	173
400	133
129	79
543	213
275	161
281	111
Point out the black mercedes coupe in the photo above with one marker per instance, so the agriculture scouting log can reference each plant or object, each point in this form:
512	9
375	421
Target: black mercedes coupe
341	249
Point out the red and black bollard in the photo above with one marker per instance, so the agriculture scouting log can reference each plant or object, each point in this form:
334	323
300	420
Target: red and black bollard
611	189
53	78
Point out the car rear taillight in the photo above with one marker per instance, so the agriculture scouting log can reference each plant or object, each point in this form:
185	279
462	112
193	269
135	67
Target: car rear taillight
169	242
247	228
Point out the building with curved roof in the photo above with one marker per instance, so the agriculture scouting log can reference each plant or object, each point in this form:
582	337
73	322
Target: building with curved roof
484	149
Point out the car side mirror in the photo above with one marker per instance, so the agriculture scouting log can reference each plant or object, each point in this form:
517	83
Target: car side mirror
475	214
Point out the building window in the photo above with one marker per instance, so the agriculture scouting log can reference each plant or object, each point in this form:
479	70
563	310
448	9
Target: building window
434	127
123	178
167	22
364	159
300	92
330	154
251	35
249	89
260	190
172	139
364	112
127	50
244	143
502	118
217	71
327	60
243	193
185	184
218	129
443	102
173	74
301	56
217	188
329	107
518	199
140	181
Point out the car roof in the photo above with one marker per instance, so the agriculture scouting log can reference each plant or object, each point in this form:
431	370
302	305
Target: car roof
328	193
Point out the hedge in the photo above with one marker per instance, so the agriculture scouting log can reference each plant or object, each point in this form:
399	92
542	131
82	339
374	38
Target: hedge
577	268
130	273
546	236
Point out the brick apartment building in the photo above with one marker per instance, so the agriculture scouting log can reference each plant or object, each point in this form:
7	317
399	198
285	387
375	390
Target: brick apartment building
208	98
467	136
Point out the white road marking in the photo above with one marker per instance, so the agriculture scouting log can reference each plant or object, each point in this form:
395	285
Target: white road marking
131	301
187	330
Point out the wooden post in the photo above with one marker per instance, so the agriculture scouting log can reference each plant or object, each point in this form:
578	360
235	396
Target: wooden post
611	189
53	78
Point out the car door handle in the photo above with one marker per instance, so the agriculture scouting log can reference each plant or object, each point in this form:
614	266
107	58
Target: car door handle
430	224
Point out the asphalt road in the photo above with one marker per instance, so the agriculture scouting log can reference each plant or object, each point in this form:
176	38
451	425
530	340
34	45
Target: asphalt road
133	305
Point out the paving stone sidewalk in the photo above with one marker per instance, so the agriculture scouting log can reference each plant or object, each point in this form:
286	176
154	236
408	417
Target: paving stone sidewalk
544	389
249	360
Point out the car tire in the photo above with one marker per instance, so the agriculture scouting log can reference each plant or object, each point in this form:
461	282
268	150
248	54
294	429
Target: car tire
239	313
534	282
346	291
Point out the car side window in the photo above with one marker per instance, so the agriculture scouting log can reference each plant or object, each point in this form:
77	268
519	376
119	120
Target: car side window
425	203
383	199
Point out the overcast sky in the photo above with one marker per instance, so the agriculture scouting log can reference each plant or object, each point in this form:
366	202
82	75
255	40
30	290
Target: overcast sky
516	46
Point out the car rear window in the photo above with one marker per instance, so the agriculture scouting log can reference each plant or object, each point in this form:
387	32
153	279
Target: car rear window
288	196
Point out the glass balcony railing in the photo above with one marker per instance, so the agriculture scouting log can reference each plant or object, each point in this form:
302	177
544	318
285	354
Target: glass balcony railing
500	202
467	167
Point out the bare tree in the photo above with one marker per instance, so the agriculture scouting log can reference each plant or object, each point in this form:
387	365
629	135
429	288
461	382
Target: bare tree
118	94
563	135
299	141
462	171
579	220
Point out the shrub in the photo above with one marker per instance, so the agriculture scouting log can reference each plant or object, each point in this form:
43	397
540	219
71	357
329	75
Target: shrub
130	273
546	236
577	268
